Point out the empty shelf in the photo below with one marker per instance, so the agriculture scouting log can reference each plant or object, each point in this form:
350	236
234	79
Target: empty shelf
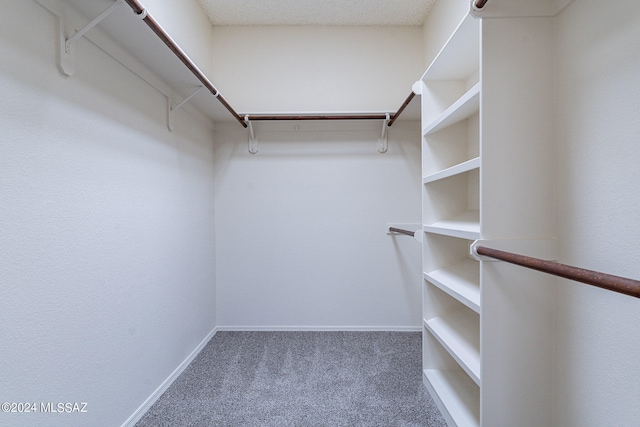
464	226
456	395
461	281
459	334
468	104
453	170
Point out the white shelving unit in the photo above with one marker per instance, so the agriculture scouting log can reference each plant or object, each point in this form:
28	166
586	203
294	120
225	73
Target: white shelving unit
451	218
487	151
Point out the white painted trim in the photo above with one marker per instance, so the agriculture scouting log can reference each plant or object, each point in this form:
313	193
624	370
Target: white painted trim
139	413
322	328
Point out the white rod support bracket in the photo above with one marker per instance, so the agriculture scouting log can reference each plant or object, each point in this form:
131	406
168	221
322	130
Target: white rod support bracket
383	143
473	252
417	87
67	46
66	54
475	10
253	142
172	108
187	98
142	14
89	26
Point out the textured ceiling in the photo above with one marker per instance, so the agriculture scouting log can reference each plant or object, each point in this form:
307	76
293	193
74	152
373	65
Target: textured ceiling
317	12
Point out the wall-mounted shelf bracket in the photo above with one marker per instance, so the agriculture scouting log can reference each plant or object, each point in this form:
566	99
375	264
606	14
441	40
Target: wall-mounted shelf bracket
67	56
253	142
172	108
383	143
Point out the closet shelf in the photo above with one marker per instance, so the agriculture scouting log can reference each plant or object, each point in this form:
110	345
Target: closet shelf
459	334
124	36
463	226
453	170
467	105
456	395
130	41
151	53
459	57
460	280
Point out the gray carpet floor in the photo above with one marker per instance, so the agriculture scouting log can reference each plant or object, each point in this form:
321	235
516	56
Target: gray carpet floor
301	379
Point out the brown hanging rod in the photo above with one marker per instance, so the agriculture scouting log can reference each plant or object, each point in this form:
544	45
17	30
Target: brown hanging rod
618	284
263	117
148	19
480	3
401	231
392	117
168	41
401	109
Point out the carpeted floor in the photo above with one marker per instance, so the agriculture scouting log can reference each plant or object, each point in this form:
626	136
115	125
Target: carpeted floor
301	379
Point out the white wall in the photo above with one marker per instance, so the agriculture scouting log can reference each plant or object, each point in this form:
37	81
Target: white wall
271	69
189	27
301	239
301	227
598	91
107	229
440	24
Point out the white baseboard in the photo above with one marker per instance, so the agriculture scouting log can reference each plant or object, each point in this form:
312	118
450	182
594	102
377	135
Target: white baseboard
138	414
323	328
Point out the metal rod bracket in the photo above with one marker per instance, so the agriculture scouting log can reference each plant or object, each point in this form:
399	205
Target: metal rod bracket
187	98
172	108
253	142
71	40
67	54
383	143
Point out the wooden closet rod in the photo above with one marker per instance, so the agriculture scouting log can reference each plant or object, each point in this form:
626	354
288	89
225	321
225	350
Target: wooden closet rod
480	3
401	109
392	117
618	284
148	19
168	41
401	231
263	117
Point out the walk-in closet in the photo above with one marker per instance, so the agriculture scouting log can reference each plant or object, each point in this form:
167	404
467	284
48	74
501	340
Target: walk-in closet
345	213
